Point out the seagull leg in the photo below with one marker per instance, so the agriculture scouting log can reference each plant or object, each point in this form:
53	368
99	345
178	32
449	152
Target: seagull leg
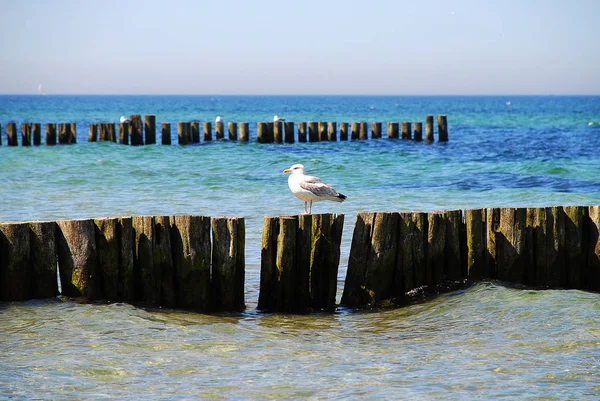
310	210
305	210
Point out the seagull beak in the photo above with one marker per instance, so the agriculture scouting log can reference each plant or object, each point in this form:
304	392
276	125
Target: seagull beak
287	170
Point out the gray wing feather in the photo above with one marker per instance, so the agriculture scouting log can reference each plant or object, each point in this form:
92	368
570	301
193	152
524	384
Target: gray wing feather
318	187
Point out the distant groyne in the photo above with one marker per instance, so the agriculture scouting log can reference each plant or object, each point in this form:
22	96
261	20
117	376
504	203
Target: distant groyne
198	262
137	131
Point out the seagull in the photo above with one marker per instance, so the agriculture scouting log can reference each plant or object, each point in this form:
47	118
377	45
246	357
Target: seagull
310	189
218	119
277	119
124	119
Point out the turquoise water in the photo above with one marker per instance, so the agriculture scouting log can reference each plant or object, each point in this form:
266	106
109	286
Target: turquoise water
488	341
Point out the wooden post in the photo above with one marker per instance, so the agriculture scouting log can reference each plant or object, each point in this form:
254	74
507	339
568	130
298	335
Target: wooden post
50	134
269	275
492	224
127	290
593	252
392	130
15	262
429	129
285	264
270	132
93	132
108	248
36	132
232	131
77	259
278	132
343	131
228	263
73	132
442	128
163	261
436	249
406	128
355	131
536	233
124	133
11	134
363	131
183	133
219	131
165	133
322	127
510	245
576	239
376	130
476	244
44	283
110	127
0	134
411	262
418	134
26	134
194	135
332	131
261	132
190	240
313	131
455	240
288	132
150	129
356	294
555	256
147	283
244	132
136	128
302	131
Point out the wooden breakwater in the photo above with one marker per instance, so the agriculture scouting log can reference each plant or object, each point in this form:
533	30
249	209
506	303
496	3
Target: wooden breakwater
171	262
136	132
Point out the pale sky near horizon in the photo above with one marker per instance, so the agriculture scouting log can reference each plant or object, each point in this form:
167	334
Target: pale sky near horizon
403	47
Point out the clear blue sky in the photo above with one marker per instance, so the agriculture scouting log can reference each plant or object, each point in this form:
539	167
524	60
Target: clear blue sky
401	47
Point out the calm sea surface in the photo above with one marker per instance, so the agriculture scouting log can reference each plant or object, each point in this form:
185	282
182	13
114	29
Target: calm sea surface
487	341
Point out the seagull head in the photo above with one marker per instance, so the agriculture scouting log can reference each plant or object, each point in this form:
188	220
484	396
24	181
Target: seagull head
296	168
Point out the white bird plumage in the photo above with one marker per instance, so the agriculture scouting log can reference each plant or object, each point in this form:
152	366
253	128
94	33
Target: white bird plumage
310	189
123	119
218	119
277	119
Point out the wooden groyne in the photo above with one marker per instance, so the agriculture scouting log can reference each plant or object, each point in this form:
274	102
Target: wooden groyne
137	131
195	262
167	261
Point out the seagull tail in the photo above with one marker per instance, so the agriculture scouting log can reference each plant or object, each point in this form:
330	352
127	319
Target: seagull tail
341	197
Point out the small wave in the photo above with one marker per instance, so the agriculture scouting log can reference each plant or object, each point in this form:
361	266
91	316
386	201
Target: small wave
594	124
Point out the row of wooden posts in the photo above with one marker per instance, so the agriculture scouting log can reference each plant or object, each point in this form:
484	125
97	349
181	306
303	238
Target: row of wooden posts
195	262
135	132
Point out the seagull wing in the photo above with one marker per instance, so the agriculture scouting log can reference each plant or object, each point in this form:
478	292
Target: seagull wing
317	187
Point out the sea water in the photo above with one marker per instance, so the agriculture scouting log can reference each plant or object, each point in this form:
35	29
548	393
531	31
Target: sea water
486	341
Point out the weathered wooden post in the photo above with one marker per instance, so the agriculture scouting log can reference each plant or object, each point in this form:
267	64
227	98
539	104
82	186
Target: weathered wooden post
356	294
112	135
163	261
270	132
343	131
26	134
442	128
148	286
77	259
183	133
228	262
322	127
232	131
392	130
593	252
165	133
406	130
354	131
363	131
535	231
325	259
219	130
411	262
93	132
418	134
510	245
108	248
575	241
429	129
492	224
124	133
332	131
270	276
15	262
73	132
150	129
36	132
244	132
194	135
127	285
43	259
0	134
313	131
302	131
135	130
456	250
436	248
190	240
288	132
64	133
11	134
278	132
261	132
376	130
555	256
476	244
50	134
